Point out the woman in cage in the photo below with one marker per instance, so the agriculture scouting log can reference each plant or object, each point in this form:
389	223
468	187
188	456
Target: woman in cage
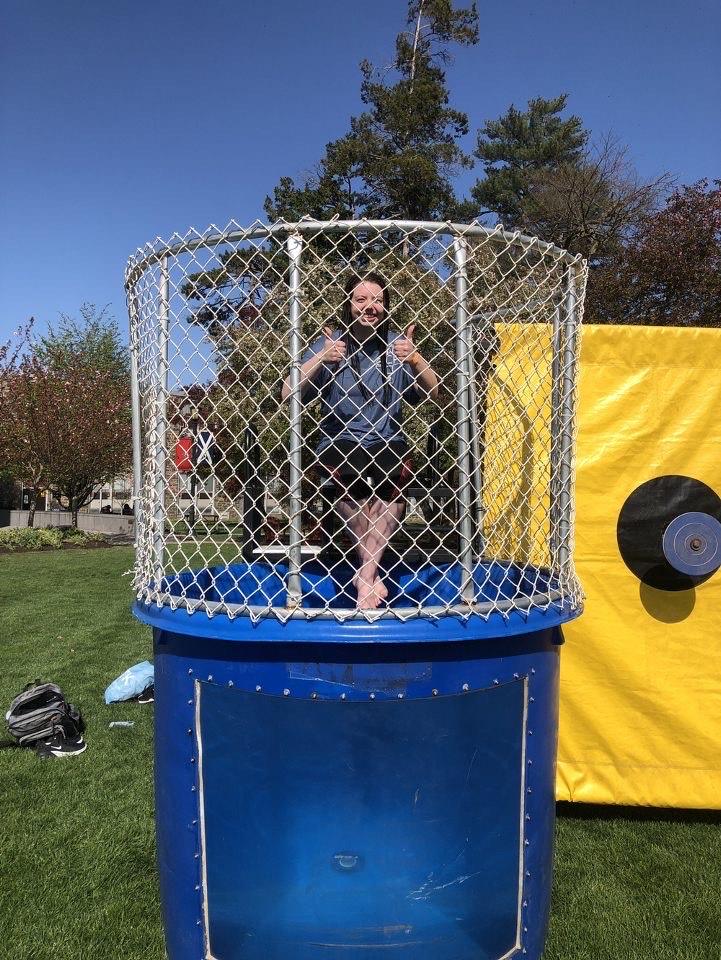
362	372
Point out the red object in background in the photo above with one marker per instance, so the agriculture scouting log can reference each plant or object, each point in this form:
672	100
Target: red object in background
184	454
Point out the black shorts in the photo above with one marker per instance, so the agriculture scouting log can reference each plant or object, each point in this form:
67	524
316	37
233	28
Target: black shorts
359	472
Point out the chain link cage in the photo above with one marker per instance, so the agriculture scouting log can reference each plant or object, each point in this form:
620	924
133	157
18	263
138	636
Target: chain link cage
355	419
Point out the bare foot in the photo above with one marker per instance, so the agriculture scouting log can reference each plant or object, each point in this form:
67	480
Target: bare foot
380	588
370	593
369	600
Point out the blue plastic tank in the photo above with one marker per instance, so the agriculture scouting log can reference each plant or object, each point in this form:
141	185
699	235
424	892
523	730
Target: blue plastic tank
339	790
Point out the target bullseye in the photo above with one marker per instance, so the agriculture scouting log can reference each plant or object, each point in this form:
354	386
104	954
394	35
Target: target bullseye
692	544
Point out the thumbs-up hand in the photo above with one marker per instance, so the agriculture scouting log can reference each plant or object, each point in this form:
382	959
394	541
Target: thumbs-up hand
333	348
403	347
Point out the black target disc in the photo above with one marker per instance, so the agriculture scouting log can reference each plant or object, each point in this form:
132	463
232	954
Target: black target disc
645	517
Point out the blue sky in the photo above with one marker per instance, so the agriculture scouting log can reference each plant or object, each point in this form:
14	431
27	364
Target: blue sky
125	121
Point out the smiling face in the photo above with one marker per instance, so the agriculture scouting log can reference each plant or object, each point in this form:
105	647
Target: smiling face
366	308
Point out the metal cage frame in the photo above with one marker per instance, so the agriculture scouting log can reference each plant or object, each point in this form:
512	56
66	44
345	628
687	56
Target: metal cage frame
151	318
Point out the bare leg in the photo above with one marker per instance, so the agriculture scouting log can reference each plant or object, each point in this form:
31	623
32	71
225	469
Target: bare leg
383	520
357	520
356	517
371	525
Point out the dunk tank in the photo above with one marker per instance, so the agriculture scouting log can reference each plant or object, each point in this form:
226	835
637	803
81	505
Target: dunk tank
333	780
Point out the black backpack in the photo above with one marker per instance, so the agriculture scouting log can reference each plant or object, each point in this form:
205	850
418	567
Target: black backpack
35	713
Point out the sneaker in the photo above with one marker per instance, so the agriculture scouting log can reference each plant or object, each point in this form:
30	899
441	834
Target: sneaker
148	695
66	741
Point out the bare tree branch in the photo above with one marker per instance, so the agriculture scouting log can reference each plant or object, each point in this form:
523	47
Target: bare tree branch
595	204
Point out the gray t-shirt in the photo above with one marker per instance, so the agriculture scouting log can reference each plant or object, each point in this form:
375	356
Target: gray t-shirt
348	412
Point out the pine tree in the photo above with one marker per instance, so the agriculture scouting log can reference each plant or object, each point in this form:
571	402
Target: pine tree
516	146
401	153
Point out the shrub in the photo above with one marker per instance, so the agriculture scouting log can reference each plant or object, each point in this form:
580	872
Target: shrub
37	538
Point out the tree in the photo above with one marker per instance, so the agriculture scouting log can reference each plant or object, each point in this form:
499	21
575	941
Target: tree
30	443
669	273
64	428
64	406
9	490
591	205
15	348
91	347
11	353
516	147
95	337
400	155
396	161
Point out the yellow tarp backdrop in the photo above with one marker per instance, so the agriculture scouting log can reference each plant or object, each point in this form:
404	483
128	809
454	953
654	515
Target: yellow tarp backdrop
641	669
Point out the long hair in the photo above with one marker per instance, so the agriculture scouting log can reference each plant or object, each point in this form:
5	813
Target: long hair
380	336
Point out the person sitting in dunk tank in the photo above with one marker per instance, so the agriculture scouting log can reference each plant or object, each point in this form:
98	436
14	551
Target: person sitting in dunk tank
363	372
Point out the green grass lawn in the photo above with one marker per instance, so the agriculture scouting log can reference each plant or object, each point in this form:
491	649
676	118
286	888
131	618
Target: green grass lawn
76	835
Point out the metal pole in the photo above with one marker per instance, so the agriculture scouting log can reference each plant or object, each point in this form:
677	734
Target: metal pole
555	454
432	474
135	411
253	492
161	413
495	235
566	416
193	427
294	246
475	444
463	412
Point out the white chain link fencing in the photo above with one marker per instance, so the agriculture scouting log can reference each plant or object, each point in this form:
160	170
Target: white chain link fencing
248	498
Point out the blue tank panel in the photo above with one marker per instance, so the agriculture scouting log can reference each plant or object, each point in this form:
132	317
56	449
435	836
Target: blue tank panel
368	825
240	752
